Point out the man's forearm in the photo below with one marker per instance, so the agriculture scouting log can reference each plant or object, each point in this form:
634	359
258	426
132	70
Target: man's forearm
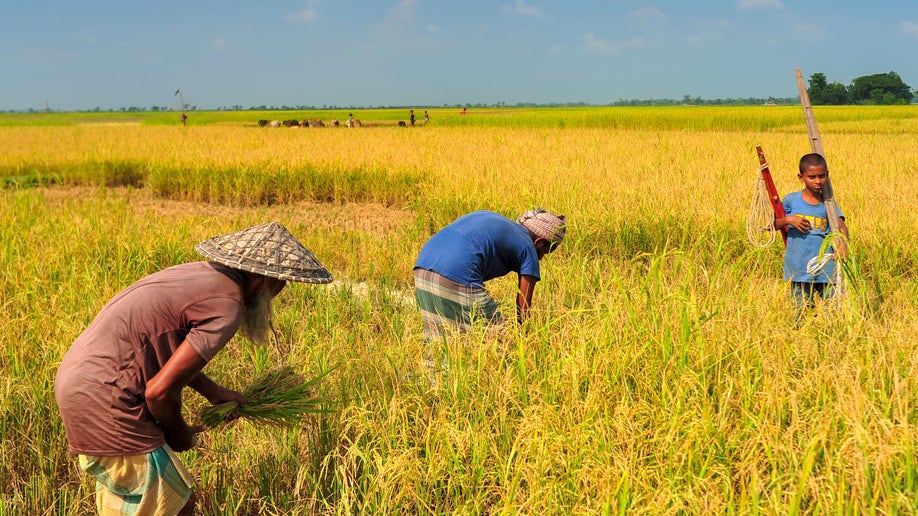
167	410
203	385
522	308
524	296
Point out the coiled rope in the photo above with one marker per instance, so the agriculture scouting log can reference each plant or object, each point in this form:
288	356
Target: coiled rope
815	266
760	223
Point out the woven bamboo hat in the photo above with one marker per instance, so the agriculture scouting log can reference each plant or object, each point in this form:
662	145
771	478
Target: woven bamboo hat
267	249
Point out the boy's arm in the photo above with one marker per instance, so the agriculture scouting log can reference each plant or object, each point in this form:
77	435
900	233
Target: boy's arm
841	251
842	227
801	224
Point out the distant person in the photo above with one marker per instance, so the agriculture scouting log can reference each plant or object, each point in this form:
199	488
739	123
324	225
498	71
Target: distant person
184	118
462	112
119	387
426	116
453	266
807	226
411	118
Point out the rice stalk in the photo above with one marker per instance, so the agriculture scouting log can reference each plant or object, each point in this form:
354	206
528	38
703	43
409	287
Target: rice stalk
848	264
280	397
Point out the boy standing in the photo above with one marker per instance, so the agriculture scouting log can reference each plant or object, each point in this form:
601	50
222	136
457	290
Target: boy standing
807	226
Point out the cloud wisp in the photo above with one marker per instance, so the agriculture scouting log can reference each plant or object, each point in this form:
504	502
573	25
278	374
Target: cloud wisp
307	15
744	5
909	28
522	8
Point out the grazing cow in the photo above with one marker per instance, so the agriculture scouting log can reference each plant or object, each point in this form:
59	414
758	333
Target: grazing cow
335	122
401	123
274	123
262	123
315	122
352	122
291	123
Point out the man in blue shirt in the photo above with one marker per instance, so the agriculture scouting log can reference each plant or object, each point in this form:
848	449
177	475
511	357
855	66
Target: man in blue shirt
455	263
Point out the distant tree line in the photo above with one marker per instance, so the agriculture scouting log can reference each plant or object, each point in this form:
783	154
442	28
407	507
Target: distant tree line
876	89
688	100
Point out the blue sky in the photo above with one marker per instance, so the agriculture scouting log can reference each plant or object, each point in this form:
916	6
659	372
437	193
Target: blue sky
110	54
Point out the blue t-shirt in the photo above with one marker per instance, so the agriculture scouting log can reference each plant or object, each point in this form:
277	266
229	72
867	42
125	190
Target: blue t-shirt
802	247
478	247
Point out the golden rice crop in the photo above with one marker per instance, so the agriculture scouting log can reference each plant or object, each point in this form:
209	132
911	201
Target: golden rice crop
279	397
661	371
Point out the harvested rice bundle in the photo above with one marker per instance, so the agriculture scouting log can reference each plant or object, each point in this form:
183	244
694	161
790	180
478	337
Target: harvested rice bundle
280	397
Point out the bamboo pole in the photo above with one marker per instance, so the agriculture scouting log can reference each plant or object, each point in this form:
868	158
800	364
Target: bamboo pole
828	195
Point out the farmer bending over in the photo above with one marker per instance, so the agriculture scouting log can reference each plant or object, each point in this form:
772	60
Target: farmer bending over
119	387
454	264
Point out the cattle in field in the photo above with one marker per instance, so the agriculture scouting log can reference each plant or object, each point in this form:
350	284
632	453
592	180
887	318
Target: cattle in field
352	122
315	122
291	123
401	123
262	123
335	122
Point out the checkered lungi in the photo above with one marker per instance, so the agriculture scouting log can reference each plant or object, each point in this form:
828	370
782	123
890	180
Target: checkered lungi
449	306
150	483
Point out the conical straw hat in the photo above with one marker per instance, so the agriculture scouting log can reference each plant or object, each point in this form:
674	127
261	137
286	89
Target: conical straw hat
267	249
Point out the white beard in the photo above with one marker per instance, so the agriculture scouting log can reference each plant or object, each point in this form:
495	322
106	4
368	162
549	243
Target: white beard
257	318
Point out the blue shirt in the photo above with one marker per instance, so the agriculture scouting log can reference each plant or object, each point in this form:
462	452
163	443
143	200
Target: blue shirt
802	247
478	247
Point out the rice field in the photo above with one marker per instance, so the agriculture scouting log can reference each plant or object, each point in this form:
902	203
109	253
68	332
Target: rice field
661	371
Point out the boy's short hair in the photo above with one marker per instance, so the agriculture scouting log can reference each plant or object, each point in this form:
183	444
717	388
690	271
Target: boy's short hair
813	159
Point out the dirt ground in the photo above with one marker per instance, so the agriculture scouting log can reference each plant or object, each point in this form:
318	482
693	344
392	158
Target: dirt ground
369	217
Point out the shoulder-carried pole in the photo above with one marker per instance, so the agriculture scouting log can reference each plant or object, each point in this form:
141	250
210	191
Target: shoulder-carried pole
828	196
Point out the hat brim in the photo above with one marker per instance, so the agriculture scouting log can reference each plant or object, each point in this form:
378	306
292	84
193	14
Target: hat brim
317	275
269	250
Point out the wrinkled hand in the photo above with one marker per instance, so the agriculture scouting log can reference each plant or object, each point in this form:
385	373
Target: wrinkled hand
224	395
184	439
